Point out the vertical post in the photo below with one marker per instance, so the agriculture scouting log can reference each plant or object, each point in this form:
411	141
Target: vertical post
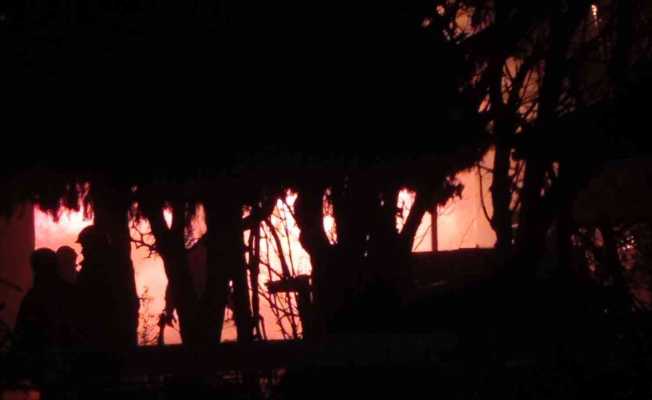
433	229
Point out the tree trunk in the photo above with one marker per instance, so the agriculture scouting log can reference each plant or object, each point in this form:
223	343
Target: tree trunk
501	195
170	244
110	214
309	218
536	215
226	262
254	273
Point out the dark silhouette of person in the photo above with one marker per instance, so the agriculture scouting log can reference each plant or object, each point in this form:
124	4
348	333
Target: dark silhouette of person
98	289
67	264
43	328
40	324
69	294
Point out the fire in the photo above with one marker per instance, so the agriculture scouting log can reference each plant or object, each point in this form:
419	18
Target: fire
167	216
63	232
148	271
460	223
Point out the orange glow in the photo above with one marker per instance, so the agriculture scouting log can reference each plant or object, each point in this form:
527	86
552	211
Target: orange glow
197	227
150	277
404	203
148	271
460	223
167	216
290	198
20	394
422	239
330	228
328	212
297	261
64	232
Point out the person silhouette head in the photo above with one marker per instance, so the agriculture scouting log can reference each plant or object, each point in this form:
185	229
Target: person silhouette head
92	241
67	264
44	266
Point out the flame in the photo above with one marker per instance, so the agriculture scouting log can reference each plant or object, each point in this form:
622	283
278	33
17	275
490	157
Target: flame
167	216
404	203
63	232
460	223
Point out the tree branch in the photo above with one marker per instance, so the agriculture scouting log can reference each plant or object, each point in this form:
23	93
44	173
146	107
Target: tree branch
482	202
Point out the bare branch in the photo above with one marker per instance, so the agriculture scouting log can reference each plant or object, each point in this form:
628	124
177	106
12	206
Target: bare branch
468	229
279	246
482	202
140	240
423	237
